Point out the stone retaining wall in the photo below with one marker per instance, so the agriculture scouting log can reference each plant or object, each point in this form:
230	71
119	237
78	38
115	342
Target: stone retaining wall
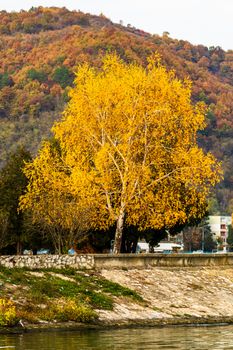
48	261
122	261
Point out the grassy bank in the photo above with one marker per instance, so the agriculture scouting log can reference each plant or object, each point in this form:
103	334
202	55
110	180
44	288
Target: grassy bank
57	295
47	299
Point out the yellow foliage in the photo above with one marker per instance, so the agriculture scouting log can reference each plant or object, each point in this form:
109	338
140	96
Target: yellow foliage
127	148
8	315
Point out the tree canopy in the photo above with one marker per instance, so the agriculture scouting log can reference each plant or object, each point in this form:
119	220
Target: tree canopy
127	153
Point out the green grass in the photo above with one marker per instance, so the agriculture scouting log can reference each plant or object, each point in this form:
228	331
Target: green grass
68	271
14	276
52	296
118	290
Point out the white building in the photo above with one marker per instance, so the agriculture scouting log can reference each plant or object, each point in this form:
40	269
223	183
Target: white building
162	247
219	226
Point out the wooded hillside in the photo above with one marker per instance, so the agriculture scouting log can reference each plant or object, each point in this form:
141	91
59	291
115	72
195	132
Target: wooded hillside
40	49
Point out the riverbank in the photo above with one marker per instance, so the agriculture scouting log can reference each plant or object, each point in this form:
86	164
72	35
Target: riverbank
69	299
124	324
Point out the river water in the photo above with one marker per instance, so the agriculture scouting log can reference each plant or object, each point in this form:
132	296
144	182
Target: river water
182	338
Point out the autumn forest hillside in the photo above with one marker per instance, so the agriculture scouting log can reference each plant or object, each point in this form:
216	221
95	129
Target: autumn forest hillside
40	50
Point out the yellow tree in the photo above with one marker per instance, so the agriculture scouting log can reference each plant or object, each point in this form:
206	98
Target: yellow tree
128	148
49	198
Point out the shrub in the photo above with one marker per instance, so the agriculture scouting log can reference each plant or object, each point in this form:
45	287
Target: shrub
5	80
63	76
8	316
69	311
39	75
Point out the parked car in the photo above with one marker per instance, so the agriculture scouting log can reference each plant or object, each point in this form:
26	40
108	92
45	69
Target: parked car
142	247
43	251
71	251
27	252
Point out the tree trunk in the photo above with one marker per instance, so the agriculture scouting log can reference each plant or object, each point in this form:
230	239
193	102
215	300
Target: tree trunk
19	247
129	240
119	232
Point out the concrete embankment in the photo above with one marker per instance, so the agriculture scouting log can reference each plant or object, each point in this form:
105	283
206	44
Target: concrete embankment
175	295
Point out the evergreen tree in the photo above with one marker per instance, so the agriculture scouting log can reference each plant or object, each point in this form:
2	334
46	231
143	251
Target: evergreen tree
230	237
13	183
209	243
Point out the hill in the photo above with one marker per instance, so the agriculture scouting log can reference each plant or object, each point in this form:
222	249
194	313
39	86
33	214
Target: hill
40	50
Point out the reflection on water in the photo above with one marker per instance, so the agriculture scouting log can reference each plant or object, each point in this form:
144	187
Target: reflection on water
182	338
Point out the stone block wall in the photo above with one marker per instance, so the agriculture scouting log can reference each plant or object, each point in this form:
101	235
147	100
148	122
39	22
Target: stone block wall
48	261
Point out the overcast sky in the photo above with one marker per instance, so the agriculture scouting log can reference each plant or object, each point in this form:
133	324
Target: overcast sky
207	22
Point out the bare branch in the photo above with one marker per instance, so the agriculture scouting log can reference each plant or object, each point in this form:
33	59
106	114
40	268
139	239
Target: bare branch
112	157
116	148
